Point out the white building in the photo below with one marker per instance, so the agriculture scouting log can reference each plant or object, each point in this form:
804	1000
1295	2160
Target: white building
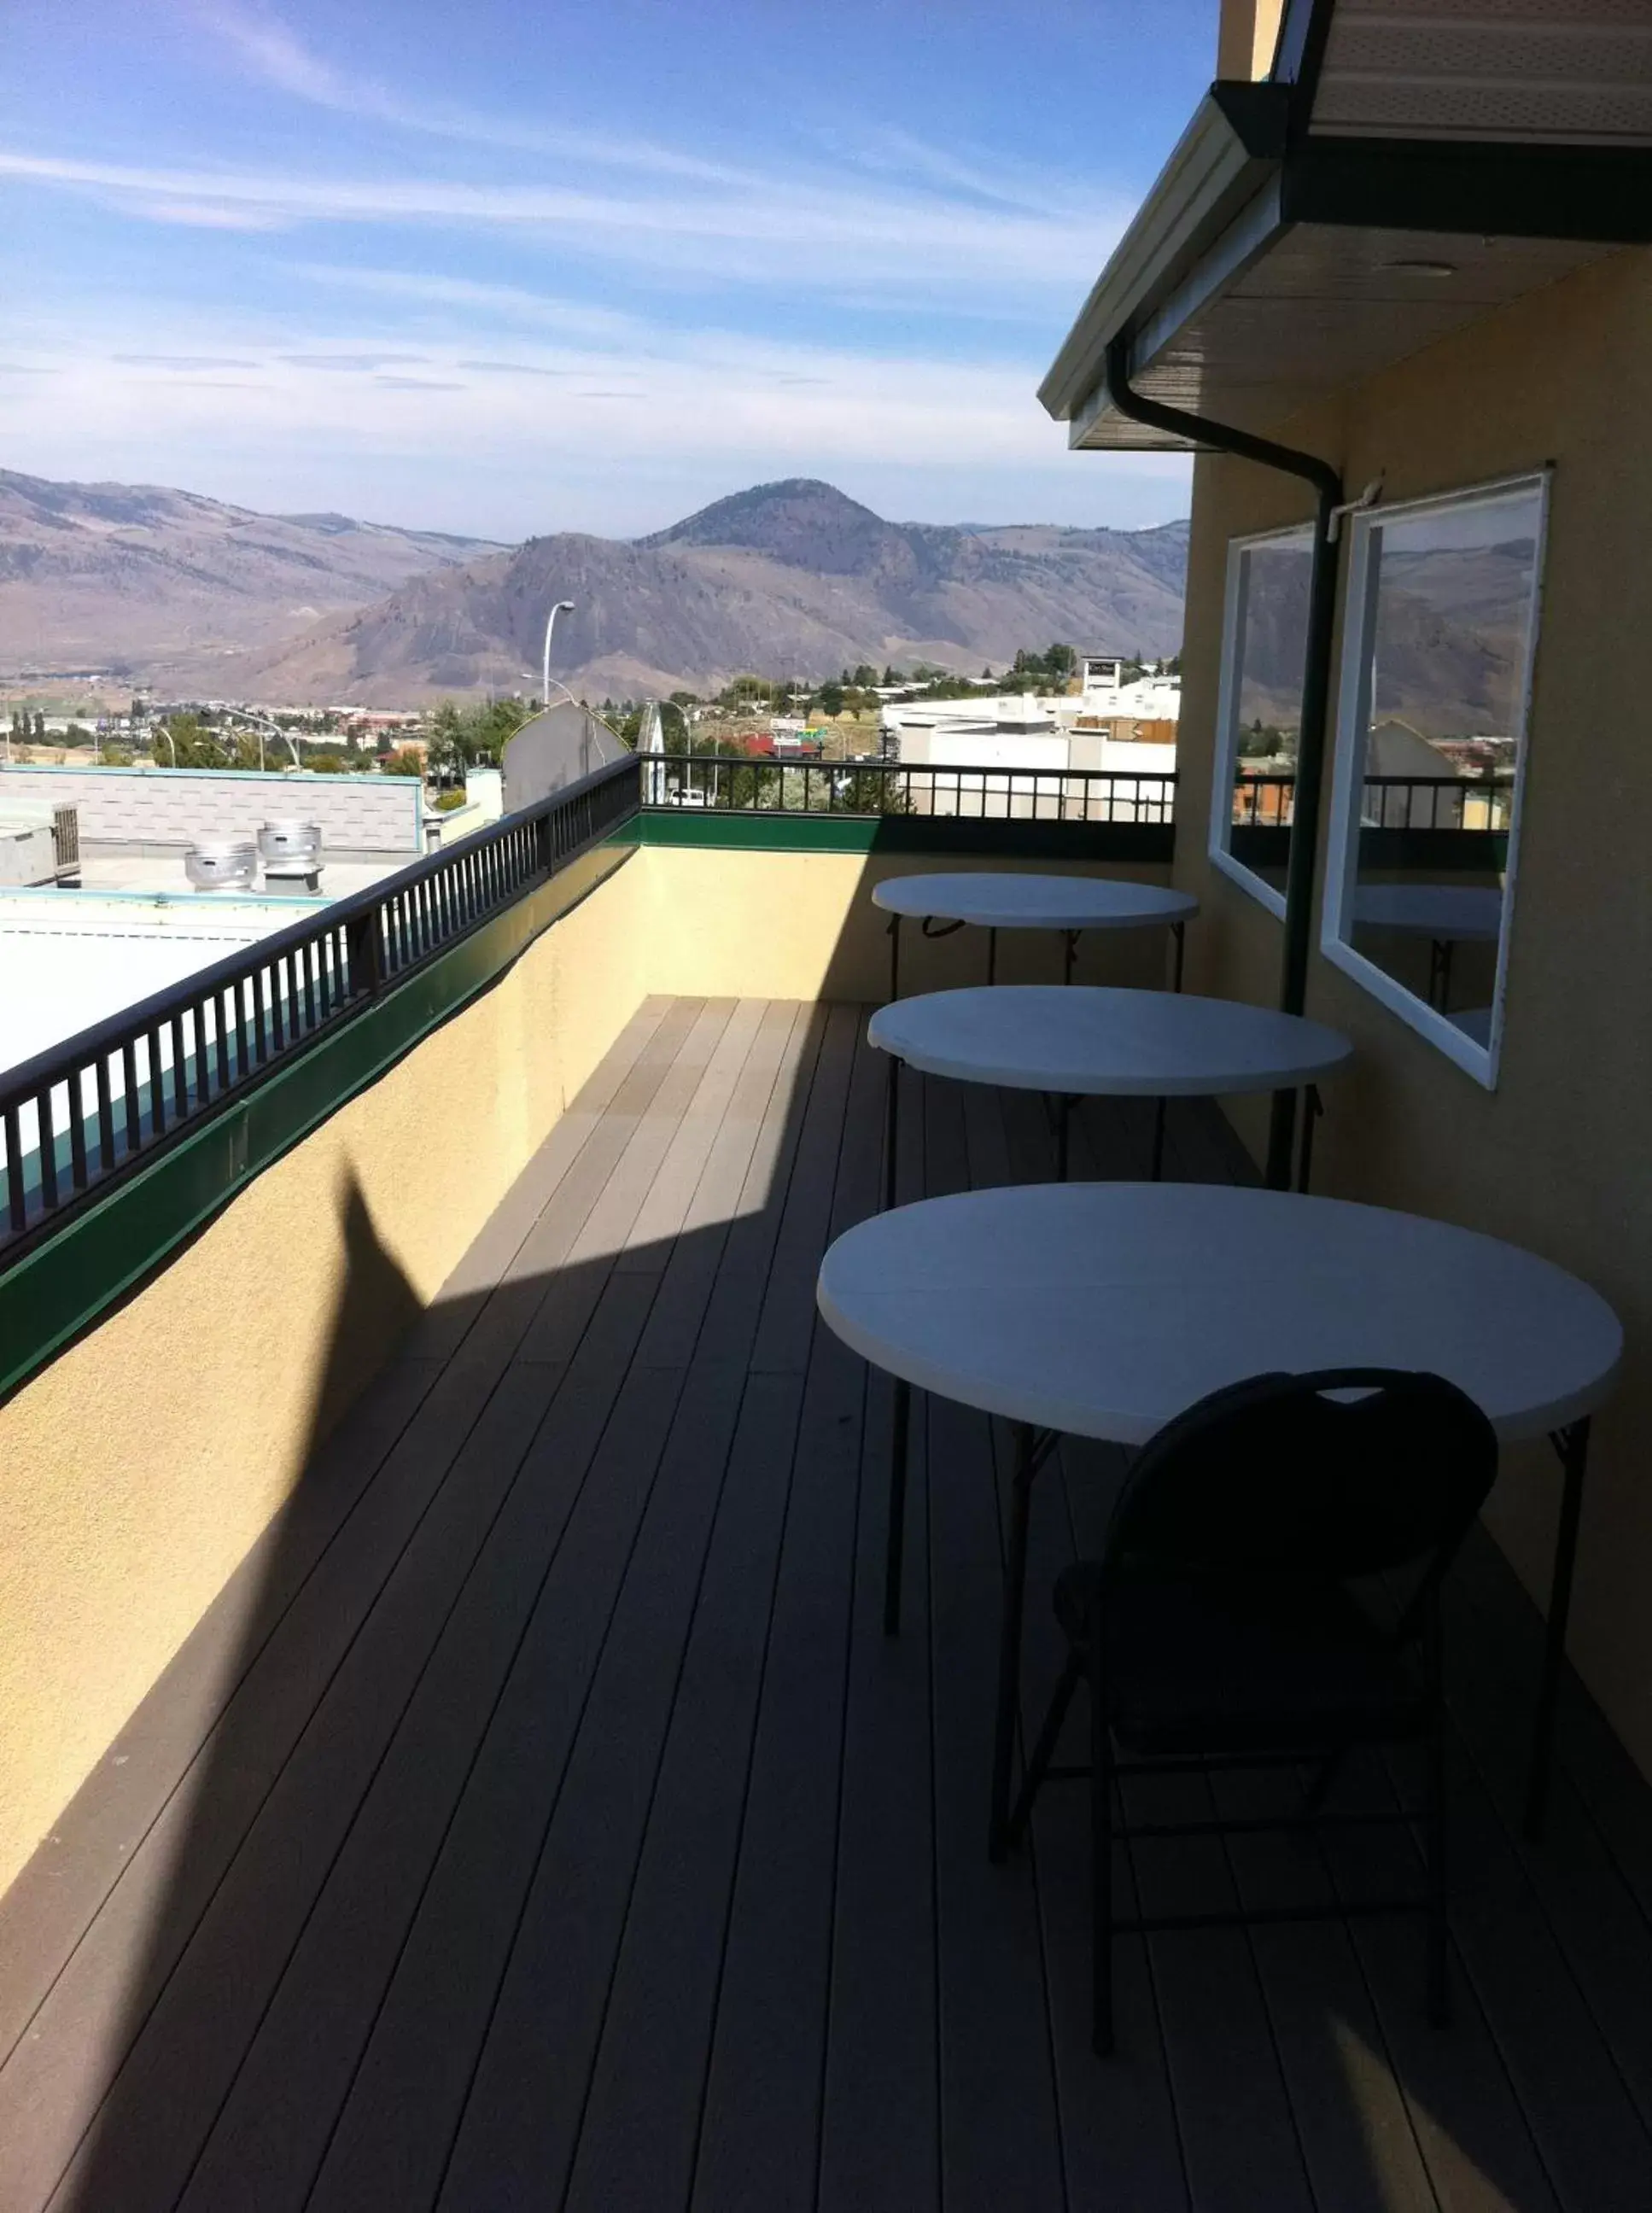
1112	728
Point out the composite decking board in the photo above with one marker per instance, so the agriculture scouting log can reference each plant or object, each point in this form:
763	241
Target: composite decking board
1589	1761
1354	2126
642	2127
1000	2140
879	2132
740	1168
48	1909
483	1739
1594	1914
1593	2145
487	1259
417	2075
735	1295
535	2019
640	2121
880	2120
761	2124
664	1210
1480	2155
786	1324
277	2120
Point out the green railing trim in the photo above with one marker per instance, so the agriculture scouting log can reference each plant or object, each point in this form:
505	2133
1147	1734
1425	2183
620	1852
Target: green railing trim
72	1280
770	830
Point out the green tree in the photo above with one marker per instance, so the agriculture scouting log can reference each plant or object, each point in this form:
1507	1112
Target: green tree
404	761
829	699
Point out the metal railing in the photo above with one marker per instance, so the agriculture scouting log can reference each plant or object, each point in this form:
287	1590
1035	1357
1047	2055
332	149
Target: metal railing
729	784
1390	802
83	1115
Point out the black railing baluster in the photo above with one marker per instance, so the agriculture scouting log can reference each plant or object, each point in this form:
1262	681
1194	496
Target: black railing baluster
105	1115
17	1190
76	1131
180	1069
45	1122
133	1116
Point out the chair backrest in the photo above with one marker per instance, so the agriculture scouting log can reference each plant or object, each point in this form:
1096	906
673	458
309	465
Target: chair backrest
1277	1476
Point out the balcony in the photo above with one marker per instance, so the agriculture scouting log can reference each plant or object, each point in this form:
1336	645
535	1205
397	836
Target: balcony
520	1803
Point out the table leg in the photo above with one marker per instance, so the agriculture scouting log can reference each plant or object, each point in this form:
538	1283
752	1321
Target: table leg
1159	1105
891	1131
1033	1448
1064	1111
1178	932
1573	1447
992	956
1312	1111
895	1536
894	957
1069	953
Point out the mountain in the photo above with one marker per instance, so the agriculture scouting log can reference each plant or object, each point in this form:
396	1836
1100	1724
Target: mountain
785	579
146	580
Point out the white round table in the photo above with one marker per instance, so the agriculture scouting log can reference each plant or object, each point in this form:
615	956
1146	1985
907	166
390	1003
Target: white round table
993	901
1445	914
1087	1041
1103	1310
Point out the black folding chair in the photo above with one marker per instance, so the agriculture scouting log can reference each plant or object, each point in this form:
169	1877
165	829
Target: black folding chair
1224	1626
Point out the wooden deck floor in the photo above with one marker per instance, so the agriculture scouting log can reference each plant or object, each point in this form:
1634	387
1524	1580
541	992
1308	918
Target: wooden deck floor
540	1819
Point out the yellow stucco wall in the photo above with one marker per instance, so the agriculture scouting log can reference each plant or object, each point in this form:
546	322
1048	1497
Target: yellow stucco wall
802	926
1556	1158
138	1468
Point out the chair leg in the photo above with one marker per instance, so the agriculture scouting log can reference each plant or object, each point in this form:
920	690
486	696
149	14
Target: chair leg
1439	1931
1100	1849
1044	1750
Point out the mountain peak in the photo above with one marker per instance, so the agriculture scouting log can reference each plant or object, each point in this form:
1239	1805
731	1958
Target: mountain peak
802	521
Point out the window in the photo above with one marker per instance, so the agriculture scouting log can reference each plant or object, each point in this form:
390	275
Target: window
1259	714
1442	622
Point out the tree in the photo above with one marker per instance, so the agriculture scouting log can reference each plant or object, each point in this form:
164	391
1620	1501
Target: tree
829	699
865	676
403	762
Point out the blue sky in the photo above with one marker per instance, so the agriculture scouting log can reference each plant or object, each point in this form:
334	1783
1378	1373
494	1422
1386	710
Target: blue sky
507	269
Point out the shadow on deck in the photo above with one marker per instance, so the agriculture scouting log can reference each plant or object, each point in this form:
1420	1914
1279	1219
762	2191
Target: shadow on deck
540	1818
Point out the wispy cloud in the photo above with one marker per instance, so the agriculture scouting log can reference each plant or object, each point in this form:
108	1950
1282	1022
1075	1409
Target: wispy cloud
806	235
267	48
183	360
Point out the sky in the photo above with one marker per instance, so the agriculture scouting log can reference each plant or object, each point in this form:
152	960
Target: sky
504	268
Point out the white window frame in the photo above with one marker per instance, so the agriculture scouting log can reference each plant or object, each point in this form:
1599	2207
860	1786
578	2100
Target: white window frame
1353	705
1226	747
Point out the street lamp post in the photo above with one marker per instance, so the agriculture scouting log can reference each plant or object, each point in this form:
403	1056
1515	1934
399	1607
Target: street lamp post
562	607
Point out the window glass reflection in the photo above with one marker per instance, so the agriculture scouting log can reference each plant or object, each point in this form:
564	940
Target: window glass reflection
1443	623
1266	650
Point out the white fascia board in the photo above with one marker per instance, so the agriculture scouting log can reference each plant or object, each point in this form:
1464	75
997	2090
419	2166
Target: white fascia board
1208	176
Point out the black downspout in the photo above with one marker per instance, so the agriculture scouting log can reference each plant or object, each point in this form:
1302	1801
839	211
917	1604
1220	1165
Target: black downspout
1316	689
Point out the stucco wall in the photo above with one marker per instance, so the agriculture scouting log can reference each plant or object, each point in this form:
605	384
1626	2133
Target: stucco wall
788	926
138	1468
1555	1158
176	807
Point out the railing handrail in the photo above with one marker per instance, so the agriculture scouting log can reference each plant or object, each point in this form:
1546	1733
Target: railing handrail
906	768
30	1076
1423	783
